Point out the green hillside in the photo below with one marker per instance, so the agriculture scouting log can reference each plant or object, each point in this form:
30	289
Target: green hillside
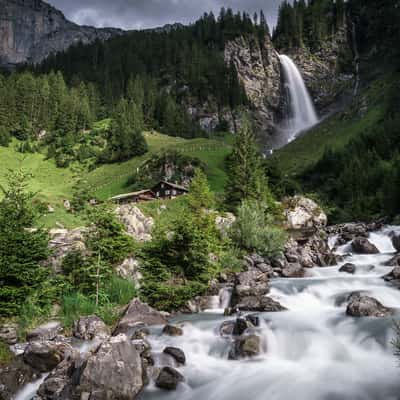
53	184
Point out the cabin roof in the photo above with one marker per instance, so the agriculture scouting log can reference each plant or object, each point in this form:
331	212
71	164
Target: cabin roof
173	185
132	194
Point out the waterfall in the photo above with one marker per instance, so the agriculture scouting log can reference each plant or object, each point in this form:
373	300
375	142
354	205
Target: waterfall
301	113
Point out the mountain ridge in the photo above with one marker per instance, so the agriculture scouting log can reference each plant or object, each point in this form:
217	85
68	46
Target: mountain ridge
31	30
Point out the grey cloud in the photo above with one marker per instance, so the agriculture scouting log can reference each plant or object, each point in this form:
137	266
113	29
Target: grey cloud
139	14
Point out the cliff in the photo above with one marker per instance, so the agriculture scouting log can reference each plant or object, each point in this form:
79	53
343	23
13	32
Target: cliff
31	30
258	67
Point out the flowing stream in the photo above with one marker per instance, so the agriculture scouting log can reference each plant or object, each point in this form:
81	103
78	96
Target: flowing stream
312	352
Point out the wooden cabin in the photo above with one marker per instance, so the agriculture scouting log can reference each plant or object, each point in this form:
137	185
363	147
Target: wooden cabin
168	190
134	197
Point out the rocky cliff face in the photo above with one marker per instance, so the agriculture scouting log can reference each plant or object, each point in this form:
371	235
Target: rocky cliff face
31	30
322	71
258	67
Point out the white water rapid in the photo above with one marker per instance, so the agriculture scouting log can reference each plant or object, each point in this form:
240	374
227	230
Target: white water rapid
312	352
301	114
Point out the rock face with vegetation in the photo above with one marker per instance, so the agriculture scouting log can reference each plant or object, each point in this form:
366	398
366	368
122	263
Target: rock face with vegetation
258	67
32	30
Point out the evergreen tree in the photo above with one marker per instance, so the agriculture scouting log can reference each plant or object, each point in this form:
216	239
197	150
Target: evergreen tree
246	177
22	249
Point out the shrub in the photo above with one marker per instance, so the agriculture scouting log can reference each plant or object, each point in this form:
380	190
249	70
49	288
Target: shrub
254	231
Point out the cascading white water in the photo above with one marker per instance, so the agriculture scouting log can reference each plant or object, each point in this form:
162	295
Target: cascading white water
313	351
301	114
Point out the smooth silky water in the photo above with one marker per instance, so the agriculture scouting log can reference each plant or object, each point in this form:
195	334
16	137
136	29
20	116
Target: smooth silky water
311	352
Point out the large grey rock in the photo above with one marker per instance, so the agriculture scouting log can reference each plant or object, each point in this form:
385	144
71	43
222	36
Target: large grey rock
62	242
362	245
396	242
89	328
9	333
365	306
293	270
258	67
62	382
15	375
169	378
301	212
129	269
348	268
47	331
393	275
136	223
245	346
139	313
32	30
259	304
46	355
114	372
393	262
177	354
172	330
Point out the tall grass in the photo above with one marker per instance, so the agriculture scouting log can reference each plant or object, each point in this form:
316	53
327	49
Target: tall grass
118	292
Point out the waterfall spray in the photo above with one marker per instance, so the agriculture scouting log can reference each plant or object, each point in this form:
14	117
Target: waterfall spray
301	113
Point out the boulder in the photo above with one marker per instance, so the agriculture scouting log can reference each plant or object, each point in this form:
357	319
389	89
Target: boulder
365	306
224	223
393	262
177	354
136	223
9	334
293	270
301	213
169	378
348	268
89	328
362	245
396	242
137	314
46	355
62	382
245	346
172	330
259	304
227	328
393	275
47	331
129	269
63	241
114	372
15	375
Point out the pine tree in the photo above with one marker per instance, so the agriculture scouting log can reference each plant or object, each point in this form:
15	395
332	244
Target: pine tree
246	176
22	249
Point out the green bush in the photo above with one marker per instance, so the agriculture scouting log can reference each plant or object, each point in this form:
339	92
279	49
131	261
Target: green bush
254	231
5	354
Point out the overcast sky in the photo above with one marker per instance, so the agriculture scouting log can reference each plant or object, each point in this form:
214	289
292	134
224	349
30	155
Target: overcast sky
139	14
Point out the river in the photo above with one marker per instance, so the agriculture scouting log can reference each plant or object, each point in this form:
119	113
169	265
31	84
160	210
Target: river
314	351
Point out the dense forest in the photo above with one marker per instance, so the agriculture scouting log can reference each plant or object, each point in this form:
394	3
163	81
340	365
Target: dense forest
308	24
147	78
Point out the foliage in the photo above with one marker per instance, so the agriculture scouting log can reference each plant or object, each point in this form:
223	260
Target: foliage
170	165
116	292
177	264
22	249
254	230
200	197
309	24
362	178
246	176
5	137
126	139
5	354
